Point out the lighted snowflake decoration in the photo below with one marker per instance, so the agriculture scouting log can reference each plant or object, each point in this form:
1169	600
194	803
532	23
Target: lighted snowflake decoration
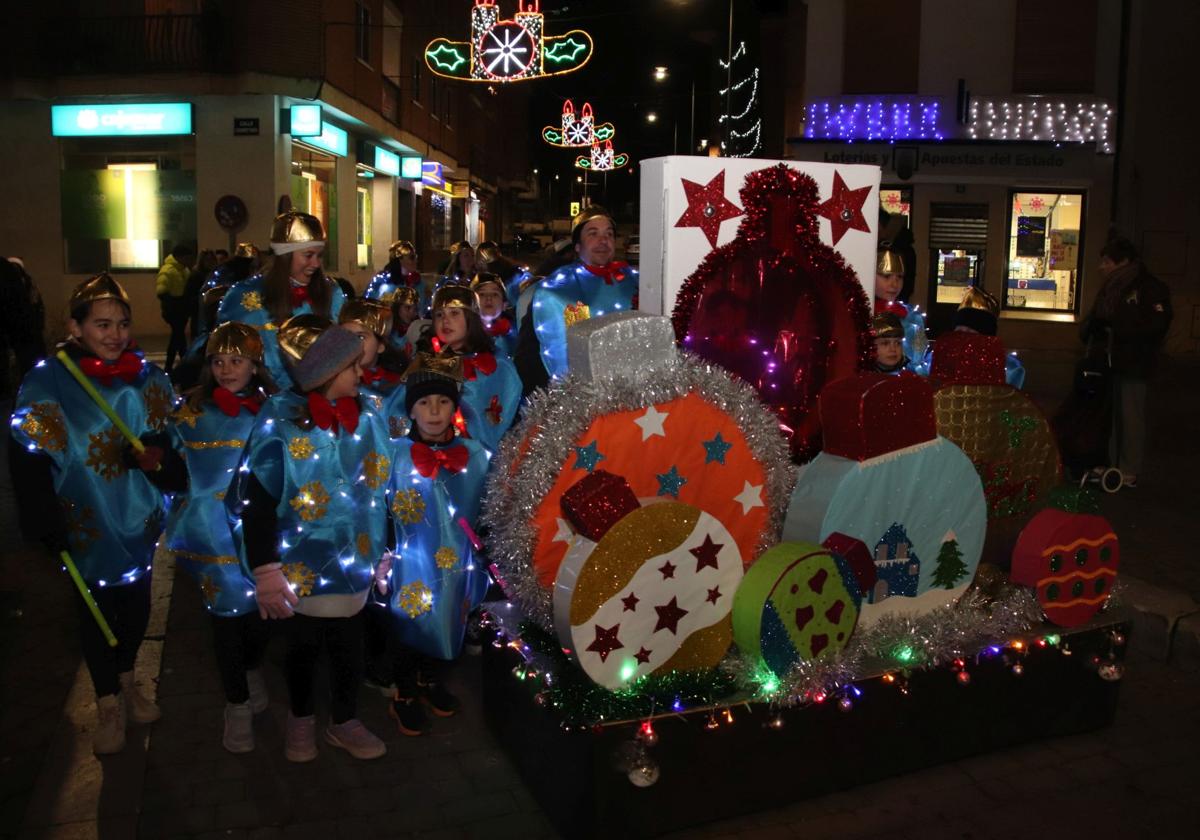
44	425
300	448
445	557
311	502
251	301
408	506
300	578
415	599
104	453
159	403
376	468
362	544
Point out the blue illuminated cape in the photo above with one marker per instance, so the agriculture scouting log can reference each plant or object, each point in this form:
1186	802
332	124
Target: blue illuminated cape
331	489
383	286
246	303
114	515
435	583
505	340
572	294
489	402
197	529
387	399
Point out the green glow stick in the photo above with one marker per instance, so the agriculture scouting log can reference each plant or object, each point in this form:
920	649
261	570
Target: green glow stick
100	402
88	599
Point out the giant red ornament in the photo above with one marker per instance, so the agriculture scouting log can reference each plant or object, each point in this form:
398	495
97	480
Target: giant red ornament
777	306
707	207
843	209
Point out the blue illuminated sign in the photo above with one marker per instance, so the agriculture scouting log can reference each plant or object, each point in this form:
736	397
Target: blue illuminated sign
305	120
125	120
411	167
431	174
332	139
386	162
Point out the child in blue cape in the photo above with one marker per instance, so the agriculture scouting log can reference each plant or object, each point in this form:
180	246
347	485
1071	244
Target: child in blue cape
498	319
383	368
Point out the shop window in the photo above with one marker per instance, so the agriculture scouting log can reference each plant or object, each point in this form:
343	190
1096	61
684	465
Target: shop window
1044	239
362	33
897	201
126	206
314	190
363	235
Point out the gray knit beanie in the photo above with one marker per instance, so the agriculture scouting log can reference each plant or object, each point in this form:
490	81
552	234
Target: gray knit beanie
334	350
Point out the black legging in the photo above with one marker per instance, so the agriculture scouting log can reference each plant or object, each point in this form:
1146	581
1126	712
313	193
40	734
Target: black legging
240	643
342	639
127	610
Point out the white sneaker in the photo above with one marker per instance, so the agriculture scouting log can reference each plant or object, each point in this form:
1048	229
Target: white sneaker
239	728
109	737
355	739
138	707
258	690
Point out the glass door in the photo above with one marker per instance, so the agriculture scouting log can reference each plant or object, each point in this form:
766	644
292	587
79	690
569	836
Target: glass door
957	251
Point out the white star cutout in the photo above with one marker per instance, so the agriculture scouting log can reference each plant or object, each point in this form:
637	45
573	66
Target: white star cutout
750	497
652	423
565	534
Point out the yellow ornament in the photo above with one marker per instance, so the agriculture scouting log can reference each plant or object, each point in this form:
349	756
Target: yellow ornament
363	544
445	557
376	468
186	414
104	453
251	301
415	599
300	577
408	506
576	312
44	425
158	406
310	503
300	448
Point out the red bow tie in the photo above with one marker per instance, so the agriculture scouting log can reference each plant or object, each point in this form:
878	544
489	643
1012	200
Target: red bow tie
499	327
232	404
893	306
472	366
412	279
331	415
128	366
428	460
299	295
614	272
379	374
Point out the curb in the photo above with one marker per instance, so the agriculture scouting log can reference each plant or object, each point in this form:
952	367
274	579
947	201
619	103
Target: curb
1166	622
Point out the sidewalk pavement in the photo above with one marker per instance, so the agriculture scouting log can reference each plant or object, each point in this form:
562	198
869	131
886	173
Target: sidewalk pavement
1132	779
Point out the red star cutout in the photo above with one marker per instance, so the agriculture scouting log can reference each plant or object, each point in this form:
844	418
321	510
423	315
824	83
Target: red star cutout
708	207
843	209
714	595
669	615
642	656
630	601
606	641
706	554
667	569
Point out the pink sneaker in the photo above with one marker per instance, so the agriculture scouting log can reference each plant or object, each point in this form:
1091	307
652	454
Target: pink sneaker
355	739
300	739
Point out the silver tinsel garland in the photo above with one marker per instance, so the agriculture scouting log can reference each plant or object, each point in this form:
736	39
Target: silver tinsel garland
533	454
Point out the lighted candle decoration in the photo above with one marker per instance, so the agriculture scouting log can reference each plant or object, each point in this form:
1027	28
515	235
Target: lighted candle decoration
602	158
577	131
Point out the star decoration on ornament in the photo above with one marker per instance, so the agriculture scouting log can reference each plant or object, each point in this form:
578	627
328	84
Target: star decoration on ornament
652	423
586	457
707	207
670	482
715	449
642	656
669	615
706	553
606	641
750	497
630	601
667	569
714	595
843	209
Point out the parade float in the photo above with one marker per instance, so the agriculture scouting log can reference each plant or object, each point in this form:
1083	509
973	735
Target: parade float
739	570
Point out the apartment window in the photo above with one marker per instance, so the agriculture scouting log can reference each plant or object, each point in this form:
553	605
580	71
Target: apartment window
362	33
416	79
1044	239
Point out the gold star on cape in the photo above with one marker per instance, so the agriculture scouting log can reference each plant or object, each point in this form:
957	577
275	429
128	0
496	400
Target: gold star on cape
104	453
44	425
375	470
209	589
186	414
310	503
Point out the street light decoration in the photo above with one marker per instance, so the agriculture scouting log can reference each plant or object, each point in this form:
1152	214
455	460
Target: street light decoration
602	158
577	131
508	50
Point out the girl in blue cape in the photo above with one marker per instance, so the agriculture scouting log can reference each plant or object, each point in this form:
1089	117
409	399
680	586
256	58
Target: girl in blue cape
491	391
210	430
310	494
382	367
82	489
436	484
293	285
399	273
498	319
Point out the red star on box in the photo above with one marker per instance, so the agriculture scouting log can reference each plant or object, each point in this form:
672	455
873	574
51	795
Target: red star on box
707	207
669	615
606	641
630	601
642	656
706	554
714	595
843	209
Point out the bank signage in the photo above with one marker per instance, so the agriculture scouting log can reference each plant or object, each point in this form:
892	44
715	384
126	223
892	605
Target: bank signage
305	121
386	162
332	139
142	119
411	168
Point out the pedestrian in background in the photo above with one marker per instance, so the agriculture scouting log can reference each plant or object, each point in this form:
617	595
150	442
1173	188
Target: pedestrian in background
171	288
206	263
22	321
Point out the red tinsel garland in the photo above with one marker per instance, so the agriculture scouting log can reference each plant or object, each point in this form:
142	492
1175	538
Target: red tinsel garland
804	318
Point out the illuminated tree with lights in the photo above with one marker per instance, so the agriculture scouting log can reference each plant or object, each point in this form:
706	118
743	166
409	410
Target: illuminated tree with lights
741	120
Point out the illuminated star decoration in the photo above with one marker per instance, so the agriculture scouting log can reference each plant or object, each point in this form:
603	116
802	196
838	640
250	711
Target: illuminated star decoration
843	209
707	207
669	615
670	482
715	449
508	50
586	457
606	641
602	158
577	132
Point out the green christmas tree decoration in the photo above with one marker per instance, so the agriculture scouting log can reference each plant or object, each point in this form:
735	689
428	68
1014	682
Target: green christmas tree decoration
950	566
